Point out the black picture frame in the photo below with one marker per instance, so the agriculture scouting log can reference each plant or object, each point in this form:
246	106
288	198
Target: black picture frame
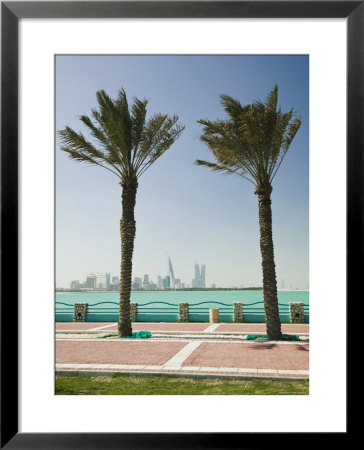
11	12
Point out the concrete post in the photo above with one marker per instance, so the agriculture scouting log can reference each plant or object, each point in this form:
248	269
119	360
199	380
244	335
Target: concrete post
183	311
296	312
80	312
214	315
238	312
133	311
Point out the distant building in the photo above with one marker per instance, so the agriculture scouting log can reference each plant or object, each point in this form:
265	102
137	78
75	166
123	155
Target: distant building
137	283
145	284
75	285
90	281
178	284
102	281
199	280
167	282
159	282
171	271
98	281
114	285
202	278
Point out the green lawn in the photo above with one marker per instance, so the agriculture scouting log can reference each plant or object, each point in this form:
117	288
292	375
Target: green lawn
152	385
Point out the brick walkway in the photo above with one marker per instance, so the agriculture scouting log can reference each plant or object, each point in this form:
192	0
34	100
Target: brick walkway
181	349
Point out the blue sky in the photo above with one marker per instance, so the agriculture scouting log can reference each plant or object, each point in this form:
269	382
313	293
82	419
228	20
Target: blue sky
184	211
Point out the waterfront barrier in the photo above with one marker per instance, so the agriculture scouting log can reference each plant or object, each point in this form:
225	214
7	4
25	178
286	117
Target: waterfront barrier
156	311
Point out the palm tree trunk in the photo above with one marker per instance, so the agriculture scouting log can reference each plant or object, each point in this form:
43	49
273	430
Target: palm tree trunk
273	322
127	234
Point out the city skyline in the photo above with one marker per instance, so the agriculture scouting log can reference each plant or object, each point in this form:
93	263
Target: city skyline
92	281
104	280
184	209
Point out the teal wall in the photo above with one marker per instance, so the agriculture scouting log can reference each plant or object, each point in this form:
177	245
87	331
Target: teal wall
166	312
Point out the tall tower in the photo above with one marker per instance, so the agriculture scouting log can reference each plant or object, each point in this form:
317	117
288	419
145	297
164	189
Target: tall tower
199	280
202	278
159	282
171	272
197	272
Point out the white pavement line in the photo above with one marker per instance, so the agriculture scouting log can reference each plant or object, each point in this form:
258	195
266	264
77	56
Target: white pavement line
294	372
74	366
84	340
211	328
228	369
209	369
193	368
101	328
99	366
181	356
120	341
178	368
267	371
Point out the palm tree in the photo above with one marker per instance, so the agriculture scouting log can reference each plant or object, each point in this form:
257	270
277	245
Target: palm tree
252	143
125	143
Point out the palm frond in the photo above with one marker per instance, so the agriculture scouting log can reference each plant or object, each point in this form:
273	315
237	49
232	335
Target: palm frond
120	139
253	140
225	169
161	132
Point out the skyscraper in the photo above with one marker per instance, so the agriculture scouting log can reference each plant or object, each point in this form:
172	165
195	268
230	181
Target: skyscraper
75	285
199	280
99	281
197	272
203	284
91	281
167	282
137	283
171	272
159	282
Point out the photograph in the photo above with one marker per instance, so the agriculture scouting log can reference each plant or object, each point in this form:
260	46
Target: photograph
181	224
181	200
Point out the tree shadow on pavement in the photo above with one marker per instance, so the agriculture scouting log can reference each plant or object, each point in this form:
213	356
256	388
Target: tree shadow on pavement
302	348
261	346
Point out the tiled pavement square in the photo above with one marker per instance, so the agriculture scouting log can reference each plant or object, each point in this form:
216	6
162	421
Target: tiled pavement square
60	326
259	328
257	356
116	352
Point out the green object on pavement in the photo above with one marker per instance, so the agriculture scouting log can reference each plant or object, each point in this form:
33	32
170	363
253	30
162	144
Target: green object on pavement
135	335
263	337
138	335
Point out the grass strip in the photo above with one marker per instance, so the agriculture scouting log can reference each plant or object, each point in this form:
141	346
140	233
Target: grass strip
124	384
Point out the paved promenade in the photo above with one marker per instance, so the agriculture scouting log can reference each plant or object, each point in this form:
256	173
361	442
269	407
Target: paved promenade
188	349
